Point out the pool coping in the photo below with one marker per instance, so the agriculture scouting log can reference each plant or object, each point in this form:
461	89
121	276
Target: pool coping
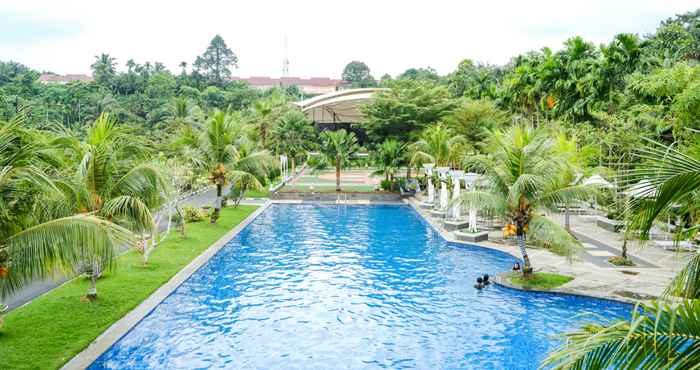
500	281
122	326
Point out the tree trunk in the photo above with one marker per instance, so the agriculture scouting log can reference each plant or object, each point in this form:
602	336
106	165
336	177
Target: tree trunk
527	267
92	292
624	248
408	172
567	222
293	167
337	173
217	203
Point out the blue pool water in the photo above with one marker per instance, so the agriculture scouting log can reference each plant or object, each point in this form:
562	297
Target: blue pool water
349	287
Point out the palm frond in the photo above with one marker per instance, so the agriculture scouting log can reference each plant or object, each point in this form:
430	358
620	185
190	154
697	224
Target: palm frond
60	245
553	235
657	337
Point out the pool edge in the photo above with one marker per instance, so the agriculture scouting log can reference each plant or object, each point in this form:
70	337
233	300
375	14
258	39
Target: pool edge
121	327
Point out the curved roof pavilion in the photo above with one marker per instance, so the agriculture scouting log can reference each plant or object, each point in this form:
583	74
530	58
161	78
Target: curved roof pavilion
337	107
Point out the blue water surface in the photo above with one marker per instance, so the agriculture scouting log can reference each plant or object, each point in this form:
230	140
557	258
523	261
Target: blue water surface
350	287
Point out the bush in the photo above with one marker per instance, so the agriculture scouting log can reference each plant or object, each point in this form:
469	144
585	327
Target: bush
193	214
619	261
385	185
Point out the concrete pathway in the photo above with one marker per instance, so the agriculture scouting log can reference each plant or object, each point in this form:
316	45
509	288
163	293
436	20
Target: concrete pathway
594	276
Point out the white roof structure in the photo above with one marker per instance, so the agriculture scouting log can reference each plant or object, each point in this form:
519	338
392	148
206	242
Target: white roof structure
599	181
337	107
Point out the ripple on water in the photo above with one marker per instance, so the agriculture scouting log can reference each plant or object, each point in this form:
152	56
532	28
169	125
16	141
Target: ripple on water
349	287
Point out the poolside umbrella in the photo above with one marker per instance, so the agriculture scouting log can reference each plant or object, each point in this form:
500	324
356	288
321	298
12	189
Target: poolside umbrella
455	196
443	195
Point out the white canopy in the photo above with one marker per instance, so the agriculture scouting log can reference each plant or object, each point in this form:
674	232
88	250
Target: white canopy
337	107
599	181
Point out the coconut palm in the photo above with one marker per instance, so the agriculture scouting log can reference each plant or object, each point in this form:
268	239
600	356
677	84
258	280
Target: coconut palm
388	158
663	335
264	109
227	156
38	235
440	145
526	175
337	148
112	180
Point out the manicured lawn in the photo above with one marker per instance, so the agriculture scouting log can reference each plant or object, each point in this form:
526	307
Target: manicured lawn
540	280
258	193
56	326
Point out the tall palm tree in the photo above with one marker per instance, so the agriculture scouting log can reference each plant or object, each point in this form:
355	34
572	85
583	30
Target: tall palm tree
440	145
663	335
338	147
113	180
39	236
527	175
221	149
264	109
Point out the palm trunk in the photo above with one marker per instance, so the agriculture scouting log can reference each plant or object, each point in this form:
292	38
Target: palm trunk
527	267
408	172
293	167
92	292
567	222
217	203
337	173
624	248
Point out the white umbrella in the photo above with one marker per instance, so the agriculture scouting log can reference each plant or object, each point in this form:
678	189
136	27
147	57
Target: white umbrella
455	195
443	195
431	191
599	181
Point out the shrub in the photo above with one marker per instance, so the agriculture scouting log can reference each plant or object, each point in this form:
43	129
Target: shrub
193	214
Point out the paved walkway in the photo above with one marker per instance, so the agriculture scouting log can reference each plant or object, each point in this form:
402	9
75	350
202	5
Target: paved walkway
594	276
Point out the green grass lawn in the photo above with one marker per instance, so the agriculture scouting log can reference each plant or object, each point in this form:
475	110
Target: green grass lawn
540	280
265	193
53	328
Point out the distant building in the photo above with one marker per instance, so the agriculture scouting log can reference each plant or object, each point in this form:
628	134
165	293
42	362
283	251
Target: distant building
311	86
51	78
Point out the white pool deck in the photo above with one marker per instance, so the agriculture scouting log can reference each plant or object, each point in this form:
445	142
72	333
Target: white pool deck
628	284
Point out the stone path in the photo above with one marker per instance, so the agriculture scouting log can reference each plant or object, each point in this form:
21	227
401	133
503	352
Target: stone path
594	276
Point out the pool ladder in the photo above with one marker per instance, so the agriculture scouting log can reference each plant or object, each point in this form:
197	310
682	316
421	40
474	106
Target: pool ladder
342	198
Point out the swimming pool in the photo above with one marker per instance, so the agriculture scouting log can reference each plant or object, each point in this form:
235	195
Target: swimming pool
349	287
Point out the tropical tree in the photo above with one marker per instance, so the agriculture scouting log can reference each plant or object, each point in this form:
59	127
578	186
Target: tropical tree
440	145
39	233
388	158
357	74
112	179
263	109
337	148
228	157
662	335
103	69
294	136
526	175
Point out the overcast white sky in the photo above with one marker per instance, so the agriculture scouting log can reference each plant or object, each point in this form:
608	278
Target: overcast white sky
390	36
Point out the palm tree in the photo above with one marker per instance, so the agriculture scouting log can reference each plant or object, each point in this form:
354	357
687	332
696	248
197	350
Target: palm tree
663	335
338	147
39	236
527	175
388	158
264	109
222	149
439	145
112	180
293	135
